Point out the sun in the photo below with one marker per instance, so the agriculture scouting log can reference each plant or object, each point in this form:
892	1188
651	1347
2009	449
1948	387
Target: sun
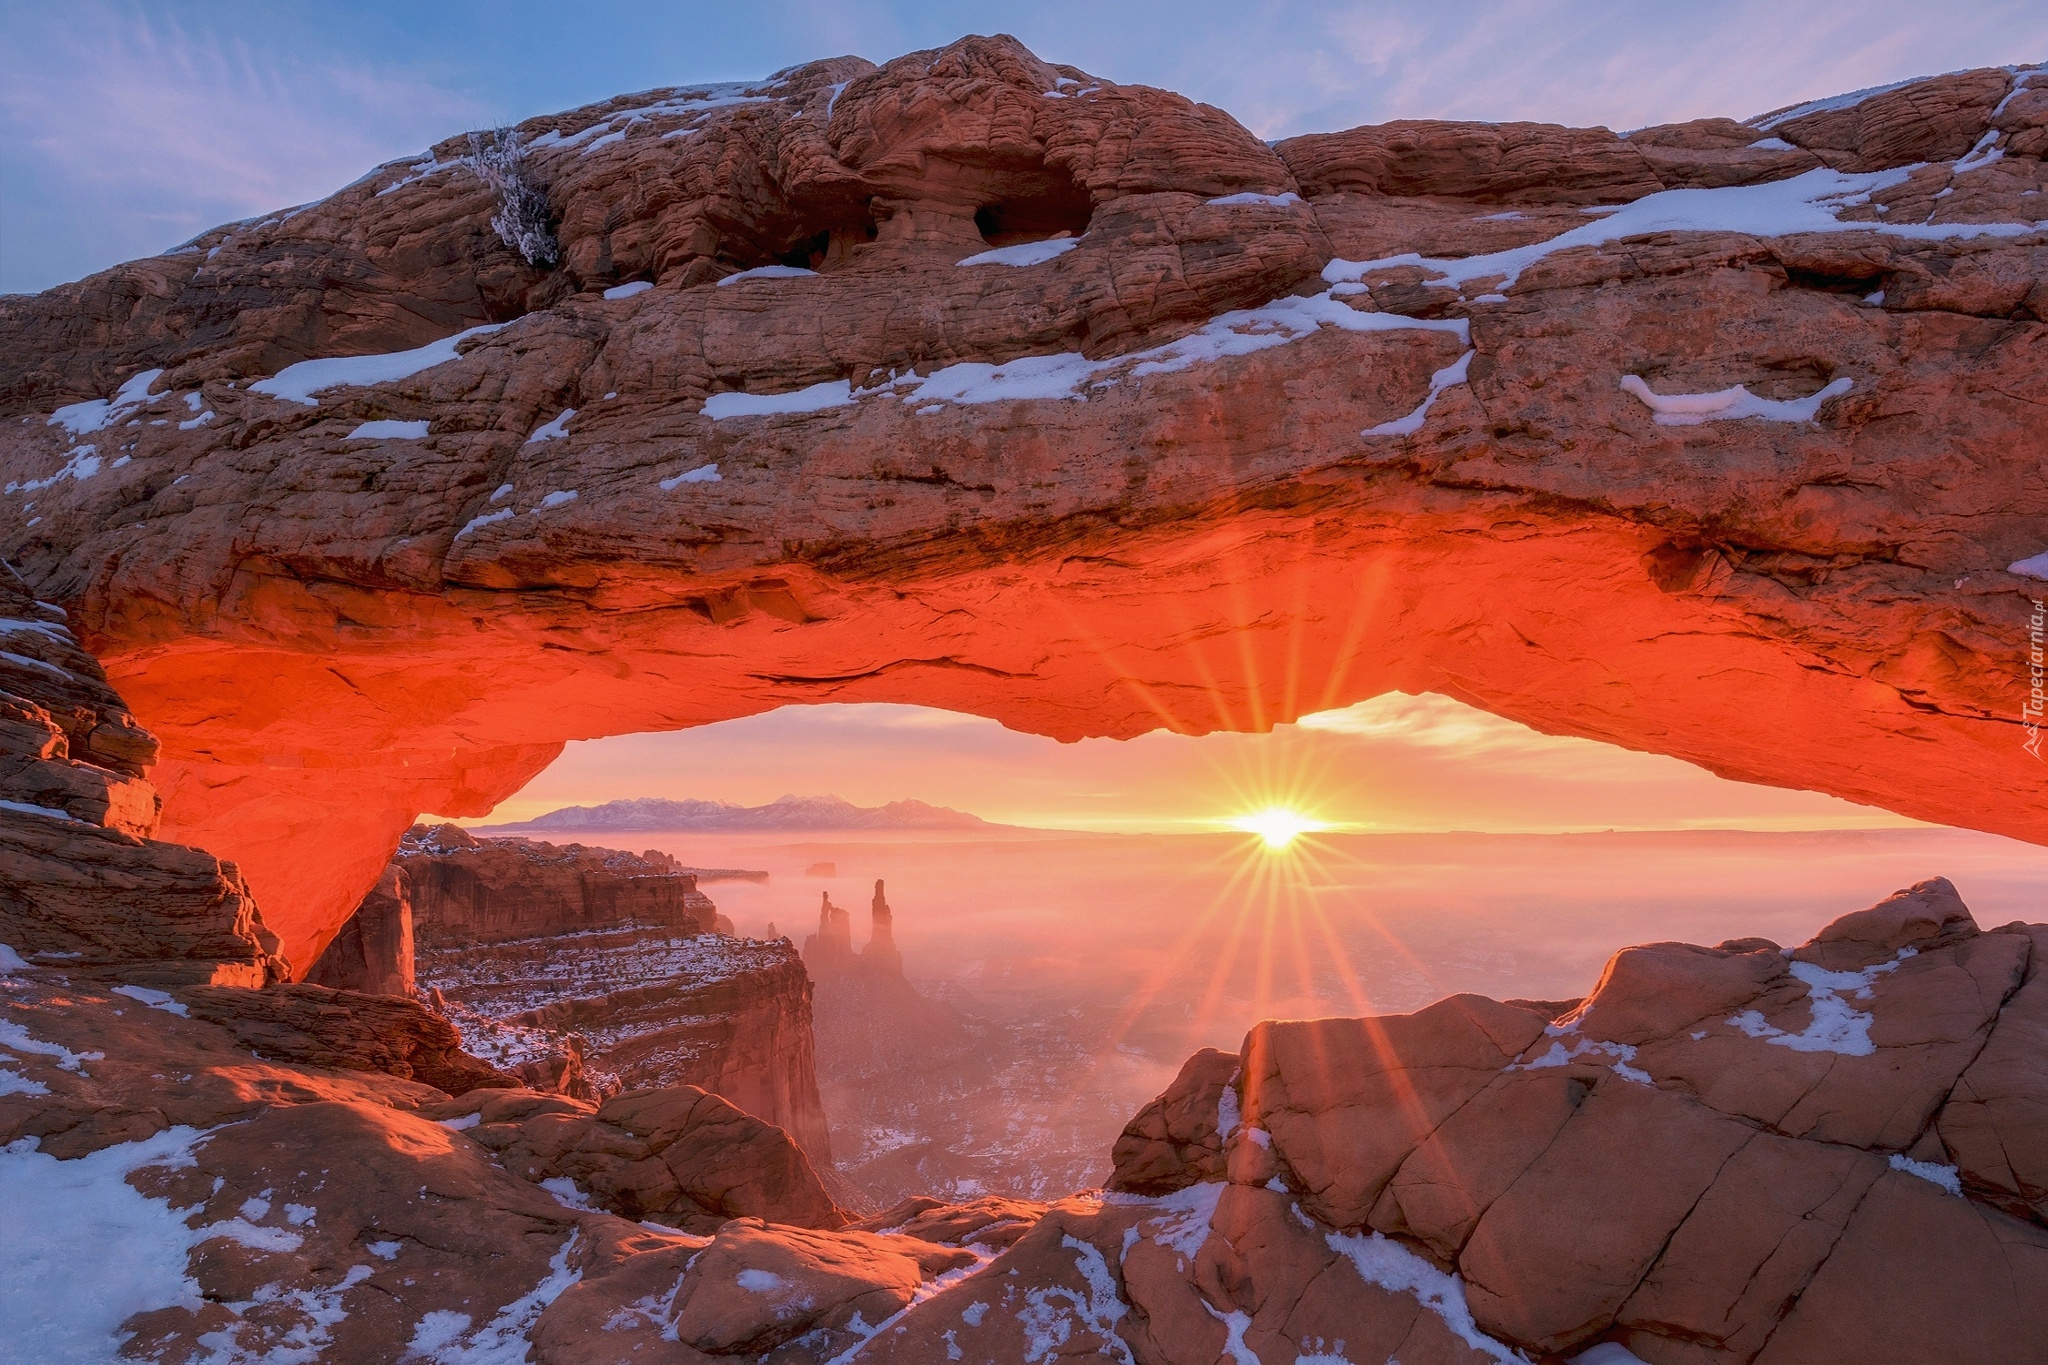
1277	826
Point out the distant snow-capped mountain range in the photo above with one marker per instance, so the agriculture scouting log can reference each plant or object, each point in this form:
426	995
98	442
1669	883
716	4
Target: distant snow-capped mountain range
783	813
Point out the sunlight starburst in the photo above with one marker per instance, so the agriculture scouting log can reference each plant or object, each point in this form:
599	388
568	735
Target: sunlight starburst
1277	826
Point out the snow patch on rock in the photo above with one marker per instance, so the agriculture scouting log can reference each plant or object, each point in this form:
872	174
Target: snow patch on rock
1052	1312
97	413
768	272
1274	200
703	473
155	999
1933	1172
568	1194
388	429
488	518
833	393
1398	1270
1835	1025
2035	567
1809	202
18	1039
1025	253
1726	405
445	1337
299	383
550	430
1453	373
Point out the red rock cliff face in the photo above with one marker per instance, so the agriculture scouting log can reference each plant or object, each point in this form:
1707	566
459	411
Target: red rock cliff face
645	1009
1284	428
469	890
82	881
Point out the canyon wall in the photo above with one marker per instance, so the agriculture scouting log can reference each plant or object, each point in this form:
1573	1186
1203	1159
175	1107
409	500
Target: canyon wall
588	970
643	1009
469	890
1717	440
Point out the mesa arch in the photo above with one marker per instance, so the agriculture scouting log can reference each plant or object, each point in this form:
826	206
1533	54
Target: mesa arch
1193	470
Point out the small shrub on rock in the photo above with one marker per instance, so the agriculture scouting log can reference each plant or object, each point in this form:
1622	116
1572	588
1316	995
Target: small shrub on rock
521	221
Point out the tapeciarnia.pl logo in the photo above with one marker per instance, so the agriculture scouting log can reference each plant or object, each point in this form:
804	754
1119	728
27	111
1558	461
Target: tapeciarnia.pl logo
2030	713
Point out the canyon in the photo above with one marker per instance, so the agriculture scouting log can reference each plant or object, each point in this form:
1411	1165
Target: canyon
588	972
1716	440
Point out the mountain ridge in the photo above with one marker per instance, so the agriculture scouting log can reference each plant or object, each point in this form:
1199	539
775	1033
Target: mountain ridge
787	812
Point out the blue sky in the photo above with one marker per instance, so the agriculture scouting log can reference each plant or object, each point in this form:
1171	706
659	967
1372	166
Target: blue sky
126	128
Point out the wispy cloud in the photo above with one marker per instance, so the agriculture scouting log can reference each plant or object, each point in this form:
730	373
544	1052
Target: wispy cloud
1432	721
1587	62
157	130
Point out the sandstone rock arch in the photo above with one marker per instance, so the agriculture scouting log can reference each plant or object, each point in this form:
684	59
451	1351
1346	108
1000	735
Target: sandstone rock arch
1195	470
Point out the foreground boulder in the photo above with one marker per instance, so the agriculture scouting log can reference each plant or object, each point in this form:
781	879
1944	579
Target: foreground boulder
678	1156
1745	472
1724	1155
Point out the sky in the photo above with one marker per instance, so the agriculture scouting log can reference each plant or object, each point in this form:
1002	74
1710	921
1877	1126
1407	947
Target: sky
1396	763
127	128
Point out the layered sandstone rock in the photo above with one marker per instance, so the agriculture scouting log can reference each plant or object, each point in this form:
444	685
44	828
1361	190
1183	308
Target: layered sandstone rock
678	1155
1724	1155
82	882
84	888
1177	1139
1226	412
344	1030
587	971
373	953
1729	1154
641	1009
286	1209
468	890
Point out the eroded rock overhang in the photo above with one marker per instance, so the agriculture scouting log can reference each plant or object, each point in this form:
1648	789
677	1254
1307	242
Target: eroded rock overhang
981	383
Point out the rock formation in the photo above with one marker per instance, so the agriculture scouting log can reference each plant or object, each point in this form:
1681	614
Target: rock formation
1721	1156
1736	472
829	952
83	886
1725	1154
82	882
469	890
260	1208
880	953
587	972
373	953
642	1011
677	1155
1745	470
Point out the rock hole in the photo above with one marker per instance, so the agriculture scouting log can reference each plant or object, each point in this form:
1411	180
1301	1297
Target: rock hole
1835	282
818	243
1036	208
